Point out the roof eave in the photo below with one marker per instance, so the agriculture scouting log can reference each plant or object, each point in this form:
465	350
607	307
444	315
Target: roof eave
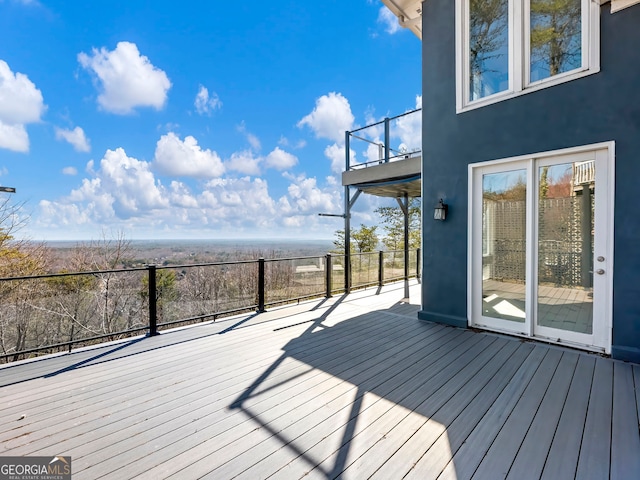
409	13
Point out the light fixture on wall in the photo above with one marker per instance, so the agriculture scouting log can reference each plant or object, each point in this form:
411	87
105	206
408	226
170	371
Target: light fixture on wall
440	212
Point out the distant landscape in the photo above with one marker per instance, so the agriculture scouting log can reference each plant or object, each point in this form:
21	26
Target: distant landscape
176	252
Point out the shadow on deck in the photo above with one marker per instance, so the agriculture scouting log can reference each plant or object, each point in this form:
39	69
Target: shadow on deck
350	387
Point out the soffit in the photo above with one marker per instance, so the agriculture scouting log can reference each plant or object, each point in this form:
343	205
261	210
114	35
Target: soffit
409	13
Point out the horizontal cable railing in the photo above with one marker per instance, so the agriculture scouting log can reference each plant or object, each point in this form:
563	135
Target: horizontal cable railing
42	314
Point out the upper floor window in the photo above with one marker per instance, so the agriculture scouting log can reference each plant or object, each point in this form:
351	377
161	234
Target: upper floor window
509	47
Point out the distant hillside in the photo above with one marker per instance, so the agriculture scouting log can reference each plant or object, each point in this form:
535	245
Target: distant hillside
176	252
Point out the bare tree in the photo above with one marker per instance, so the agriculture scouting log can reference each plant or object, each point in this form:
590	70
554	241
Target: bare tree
19	313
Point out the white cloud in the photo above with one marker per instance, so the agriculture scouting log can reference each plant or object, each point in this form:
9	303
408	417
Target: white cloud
14	137
284	141
123	187
180	196
131	182
63	215
330	118
388	19
75	137
128	79
244	162
20	103
251	138
235	205
374	151
280	160
186	158
70	171
335	153
306	198
408	129
122	193
206	104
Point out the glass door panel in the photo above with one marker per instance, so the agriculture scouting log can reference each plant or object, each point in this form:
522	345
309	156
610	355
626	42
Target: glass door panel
504	215
541	247
565	246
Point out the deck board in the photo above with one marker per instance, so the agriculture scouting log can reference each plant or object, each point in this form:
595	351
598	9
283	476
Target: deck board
595	452
533	452
625	445
421	431
565	447
349	387
500	455
466	460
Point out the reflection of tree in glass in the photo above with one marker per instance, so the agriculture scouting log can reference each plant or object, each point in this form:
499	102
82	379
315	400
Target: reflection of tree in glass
555	35
515	192
557	182
488	21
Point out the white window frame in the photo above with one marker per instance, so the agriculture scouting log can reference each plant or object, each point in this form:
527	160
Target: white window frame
519	54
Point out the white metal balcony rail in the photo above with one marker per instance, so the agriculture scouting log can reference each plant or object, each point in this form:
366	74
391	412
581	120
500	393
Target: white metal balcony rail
584	172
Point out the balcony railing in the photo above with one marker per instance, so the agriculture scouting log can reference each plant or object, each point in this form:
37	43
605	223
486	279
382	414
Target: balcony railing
381	151
45	314
584	173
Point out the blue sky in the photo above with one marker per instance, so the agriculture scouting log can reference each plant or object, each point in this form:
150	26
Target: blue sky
196	119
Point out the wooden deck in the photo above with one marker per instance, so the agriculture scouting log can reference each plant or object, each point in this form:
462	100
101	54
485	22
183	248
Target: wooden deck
352	387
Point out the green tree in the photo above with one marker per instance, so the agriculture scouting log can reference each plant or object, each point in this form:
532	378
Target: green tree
544	182
556	27
392	220
339	242
363	239
488	23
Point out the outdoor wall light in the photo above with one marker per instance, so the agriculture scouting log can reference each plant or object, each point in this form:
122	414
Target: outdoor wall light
440	212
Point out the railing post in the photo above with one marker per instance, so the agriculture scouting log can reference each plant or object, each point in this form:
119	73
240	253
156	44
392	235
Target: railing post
328	267
380	268
386	140
153	306
418	263
261	285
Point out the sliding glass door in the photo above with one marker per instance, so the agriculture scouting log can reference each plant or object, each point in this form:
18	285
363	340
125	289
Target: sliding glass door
540	246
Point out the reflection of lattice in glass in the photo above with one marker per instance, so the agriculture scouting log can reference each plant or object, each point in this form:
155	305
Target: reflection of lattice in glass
562	241
504	234
560	244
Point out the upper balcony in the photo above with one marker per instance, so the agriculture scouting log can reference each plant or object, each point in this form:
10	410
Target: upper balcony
389	171
584	173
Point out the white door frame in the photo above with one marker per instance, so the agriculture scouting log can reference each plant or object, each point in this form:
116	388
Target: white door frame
600	339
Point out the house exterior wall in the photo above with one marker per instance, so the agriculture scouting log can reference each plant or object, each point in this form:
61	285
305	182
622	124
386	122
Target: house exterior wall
598	108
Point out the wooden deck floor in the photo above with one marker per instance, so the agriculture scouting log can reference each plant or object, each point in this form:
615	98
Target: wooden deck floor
352	387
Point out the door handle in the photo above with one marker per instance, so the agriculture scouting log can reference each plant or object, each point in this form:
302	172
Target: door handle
600	271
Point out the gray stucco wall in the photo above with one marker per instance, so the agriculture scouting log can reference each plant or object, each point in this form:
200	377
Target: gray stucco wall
597	108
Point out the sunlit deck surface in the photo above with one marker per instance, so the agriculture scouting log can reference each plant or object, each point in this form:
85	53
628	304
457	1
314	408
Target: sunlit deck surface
350	387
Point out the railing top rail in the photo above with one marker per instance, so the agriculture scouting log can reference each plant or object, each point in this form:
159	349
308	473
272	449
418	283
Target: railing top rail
161	267
394	158
207	264
295	258
73	274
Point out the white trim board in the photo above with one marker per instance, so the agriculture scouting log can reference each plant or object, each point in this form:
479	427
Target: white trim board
617	5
